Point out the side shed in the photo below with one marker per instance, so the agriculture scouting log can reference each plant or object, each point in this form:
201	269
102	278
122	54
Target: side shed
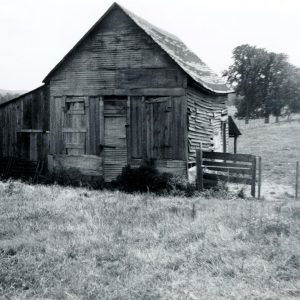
24	123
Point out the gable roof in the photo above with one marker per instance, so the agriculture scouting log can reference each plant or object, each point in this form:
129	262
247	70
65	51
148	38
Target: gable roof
233	129
188	61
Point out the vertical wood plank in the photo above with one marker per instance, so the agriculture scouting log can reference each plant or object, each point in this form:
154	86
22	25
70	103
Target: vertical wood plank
93	124
33	147
62	108
199	177
144	128
297	181
128	129
151	131
235	145
253	177
224	136
184	128
87	124
134	127
101	123
147	108
259	178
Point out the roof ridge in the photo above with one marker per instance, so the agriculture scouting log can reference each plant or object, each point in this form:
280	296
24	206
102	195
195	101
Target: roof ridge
130	14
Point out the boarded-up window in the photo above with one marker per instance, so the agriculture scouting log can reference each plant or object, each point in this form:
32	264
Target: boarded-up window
74	126
114	106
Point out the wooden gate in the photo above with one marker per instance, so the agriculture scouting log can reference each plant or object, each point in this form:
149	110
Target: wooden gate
218	166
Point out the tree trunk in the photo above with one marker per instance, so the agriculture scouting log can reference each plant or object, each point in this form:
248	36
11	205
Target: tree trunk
267	118
277	119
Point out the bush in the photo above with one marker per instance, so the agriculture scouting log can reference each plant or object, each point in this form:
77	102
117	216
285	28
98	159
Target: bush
148	179
143	179
71	177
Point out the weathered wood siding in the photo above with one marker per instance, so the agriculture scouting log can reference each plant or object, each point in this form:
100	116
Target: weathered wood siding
119	61
116	56
24	125
205	114
158	128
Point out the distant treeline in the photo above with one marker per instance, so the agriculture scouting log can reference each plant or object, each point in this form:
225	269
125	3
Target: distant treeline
8	96
265	83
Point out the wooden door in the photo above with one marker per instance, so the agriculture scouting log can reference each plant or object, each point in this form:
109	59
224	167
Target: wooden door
159	127
114	148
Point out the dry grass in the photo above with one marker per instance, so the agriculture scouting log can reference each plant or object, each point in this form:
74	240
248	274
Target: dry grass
65	243
279	146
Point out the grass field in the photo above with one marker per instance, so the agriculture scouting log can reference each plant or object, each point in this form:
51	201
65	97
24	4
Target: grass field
66	243
279	146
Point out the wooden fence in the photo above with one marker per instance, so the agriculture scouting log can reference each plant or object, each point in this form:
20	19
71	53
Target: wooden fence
218	166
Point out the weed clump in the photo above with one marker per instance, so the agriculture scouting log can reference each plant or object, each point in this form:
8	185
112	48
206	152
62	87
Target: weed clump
148	179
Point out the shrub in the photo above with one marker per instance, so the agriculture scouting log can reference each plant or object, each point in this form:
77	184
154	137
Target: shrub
148	179
180	186
71	177
143	179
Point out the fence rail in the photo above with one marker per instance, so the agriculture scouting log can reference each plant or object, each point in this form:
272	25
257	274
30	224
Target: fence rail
218	166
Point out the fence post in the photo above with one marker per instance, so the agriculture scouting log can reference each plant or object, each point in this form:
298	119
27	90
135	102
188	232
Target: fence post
199	174
297	180
259	177
253	176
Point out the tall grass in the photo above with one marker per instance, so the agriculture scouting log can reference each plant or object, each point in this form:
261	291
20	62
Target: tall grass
66	243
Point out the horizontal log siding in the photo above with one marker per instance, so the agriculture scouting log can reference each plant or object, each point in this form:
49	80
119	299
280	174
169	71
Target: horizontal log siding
204	119
28	112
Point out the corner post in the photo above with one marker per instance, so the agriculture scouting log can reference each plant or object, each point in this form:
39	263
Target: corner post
297	180
199	174
259	177
253	176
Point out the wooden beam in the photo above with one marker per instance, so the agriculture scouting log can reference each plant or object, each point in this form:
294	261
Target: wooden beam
128	130
122	92
87	124
199	176
253	177
297	180
228	156
259	177
235	145
33	131
224	136
101	125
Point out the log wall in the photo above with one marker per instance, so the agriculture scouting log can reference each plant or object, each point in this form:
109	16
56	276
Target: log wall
205	114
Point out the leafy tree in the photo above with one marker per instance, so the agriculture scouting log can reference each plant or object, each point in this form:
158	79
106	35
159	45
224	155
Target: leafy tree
266	81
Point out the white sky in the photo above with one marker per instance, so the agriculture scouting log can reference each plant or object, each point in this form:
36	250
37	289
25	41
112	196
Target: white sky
36	34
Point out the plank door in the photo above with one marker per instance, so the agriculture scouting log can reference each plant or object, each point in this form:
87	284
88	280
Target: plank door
159	128
114	148
74	126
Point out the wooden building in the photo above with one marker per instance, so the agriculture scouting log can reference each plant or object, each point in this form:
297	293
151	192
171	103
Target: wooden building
126	92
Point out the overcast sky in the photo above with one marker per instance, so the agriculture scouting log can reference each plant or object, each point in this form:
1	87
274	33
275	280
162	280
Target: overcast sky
36	34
